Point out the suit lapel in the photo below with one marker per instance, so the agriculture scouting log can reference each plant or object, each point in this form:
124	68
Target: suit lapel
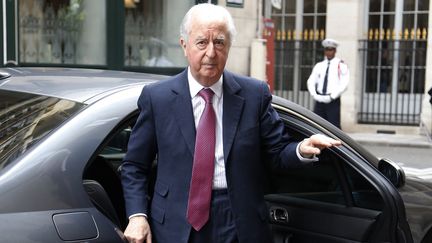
182	108
232	110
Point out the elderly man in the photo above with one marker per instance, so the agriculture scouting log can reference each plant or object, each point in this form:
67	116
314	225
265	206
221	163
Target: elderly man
212	132
328	80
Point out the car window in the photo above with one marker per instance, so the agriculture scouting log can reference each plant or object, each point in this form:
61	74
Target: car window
318	181
331	180
364	195
118	144
116	147
26	118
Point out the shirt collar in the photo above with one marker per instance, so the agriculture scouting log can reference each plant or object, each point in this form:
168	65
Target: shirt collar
195	87
331	60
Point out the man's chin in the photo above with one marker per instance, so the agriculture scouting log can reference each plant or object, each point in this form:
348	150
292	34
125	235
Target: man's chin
210	79
210	73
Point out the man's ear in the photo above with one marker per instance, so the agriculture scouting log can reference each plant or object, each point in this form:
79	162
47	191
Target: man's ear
183	45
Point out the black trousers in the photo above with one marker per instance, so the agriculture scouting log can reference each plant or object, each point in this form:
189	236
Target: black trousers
221	227
330	111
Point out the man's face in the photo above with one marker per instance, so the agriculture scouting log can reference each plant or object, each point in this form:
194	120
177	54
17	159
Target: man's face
207	50
329	52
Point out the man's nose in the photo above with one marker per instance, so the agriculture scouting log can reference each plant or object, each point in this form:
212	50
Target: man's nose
210	52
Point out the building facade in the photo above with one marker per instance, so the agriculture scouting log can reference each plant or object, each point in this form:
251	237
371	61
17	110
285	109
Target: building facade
384	43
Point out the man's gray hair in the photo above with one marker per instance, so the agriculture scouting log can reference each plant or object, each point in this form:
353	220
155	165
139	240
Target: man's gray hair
208	12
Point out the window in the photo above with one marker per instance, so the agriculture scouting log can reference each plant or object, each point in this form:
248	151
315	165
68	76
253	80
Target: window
300	28
410	46
364	195
319	182
394	58
62	32
26	119
116	148
149	37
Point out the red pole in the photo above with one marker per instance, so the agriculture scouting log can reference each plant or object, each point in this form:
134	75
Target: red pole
269	35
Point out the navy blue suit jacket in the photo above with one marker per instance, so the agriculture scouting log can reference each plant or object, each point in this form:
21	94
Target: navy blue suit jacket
253	139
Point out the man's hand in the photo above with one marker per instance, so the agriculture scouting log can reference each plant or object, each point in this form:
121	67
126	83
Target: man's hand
138	230
314	144
323	98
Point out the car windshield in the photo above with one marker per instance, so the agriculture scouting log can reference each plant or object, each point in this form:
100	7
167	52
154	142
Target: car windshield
27	118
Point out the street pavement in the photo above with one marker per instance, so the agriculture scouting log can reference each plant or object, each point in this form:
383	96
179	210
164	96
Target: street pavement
398	140
410	151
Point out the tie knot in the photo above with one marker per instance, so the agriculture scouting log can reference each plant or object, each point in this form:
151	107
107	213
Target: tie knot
207	95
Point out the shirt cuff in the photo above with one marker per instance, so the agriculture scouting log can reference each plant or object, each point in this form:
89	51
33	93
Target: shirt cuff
303	159
137	214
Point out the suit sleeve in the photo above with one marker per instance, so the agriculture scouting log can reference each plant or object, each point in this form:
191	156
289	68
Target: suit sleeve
279	147
142	149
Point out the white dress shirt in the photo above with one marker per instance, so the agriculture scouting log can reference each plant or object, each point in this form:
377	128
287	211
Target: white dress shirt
338	78
198	104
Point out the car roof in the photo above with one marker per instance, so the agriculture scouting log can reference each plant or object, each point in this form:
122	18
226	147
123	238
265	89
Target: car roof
78	85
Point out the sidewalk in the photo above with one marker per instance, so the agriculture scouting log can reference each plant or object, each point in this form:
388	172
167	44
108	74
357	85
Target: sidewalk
396	140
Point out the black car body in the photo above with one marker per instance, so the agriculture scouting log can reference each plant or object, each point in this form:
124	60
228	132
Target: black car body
64	132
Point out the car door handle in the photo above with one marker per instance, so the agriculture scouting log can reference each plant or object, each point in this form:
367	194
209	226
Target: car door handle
279	214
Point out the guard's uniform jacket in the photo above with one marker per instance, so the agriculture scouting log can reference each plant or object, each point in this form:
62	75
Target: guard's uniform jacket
338	78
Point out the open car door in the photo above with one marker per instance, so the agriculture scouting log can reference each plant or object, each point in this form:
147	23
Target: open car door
340	198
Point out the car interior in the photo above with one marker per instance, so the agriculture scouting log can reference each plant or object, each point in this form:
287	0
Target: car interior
328	201
101	177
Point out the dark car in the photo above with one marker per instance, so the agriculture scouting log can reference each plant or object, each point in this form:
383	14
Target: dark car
64	132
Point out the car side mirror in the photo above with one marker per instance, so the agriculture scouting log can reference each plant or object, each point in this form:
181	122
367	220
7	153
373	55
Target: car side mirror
392	171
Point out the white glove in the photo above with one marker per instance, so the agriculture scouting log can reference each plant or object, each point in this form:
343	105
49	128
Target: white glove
323	98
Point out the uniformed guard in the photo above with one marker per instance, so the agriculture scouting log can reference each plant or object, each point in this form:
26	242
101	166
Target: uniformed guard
328	80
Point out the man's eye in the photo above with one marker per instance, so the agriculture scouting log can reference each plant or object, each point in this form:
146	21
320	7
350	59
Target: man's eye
219	44
201	44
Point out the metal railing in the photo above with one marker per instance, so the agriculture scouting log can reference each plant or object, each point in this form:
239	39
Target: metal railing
294	60
393	79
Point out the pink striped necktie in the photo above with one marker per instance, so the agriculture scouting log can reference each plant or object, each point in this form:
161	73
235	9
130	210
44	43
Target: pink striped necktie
198	211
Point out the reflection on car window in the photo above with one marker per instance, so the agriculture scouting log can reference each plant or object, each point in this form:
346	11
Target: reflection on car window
27	118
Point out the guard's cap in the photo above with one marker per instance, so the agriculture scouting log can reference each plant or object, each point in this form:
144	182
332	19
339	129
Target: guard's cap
330	43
